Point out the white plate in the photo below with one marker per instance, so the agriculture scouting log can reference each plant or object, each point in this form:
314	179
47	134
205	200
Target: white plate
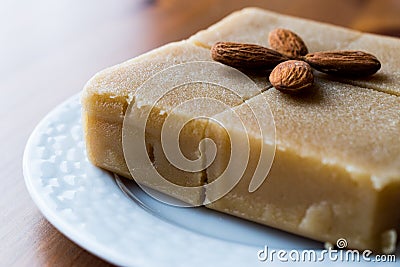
115	220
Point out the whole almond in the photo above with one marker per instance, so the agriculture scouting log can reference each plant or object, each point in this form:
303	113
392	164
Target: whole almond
344	63
287	43
246	56
292	76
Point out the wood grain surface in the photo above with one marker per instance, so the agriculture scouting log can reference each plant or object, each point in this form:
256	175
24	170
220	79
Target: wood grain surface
49	49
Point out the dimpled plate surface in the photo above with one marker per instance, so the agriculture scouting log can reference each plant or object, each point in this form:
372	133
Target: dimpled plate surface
87	205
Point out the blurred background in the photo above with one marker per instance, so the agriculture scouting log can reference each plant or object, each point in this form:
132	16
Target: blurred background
49	49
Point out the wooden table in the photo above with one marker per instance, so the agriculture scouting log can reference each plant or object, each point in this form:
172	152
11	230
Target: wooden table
49	49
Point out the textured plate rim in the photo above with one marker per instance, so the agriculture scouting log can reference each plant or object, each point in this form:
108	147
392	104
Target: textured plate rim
67	230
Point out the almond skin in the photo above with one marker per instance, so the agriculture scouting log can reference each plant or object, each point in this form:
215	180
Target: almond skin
287	43
292	76
344	63
246	56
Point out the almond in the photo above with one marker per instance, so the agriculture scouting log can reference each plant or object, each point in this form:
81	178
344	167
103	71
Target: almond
344	63
292	76
287	43
246	56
